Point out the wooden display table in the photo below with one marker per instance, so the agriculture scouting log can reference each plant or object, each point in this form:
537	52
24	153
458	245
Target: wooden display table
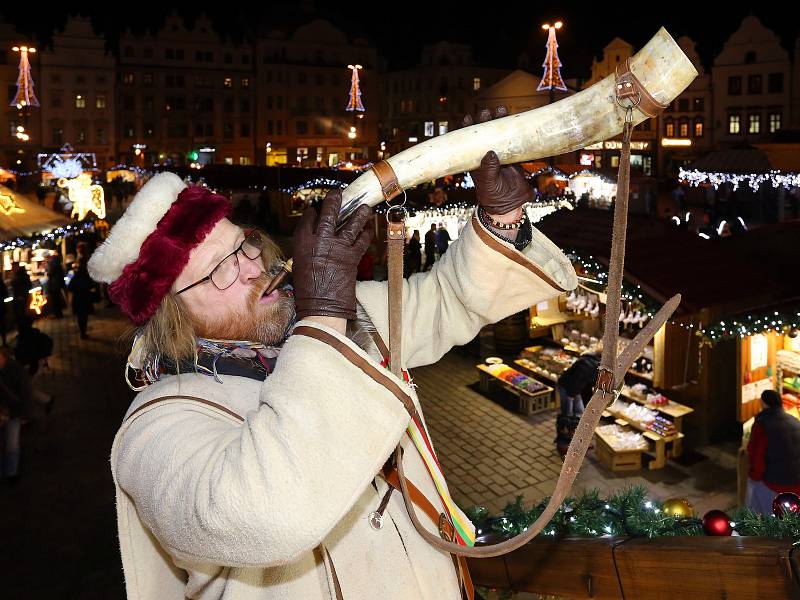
674	410
660	441
529	402
616	460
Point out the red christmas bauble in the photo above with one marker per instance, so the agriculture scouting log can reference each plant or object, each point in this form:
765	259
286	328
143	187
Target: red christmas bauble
786	502
716	522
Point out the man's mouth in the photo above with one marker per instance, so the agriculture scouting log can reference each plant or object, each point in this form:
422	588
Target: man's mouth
285	289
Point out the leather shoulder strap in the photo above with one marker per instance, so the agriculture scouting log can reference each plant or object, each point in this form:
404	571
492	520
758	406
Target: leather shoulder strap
215	405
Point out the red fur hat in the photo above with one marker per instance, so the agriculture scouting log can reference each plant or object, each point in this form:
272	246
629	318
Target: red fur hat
150	245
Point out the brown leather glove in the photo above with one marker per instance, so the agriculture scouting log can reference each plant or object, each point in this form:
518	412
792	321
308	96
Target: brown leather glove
325	262
500	188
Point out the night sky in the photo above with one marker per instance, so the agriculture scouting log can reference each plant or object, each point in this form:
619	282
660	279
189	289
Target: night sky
498	32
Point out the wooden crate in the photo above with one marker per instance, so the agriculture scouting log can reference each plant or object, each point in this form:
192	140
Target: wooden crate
616	460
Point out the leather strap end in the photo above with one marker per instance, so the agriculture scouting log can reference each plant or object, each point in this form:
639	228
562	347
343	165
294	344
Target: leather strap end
387	178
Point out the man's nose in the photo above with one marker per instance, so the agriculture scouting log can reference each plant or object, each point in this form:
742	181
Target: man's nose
249	269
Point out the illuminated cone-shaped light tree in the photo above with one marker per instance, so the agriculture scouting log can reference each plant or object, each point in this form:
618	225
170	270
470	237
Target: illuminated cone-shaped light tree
551	80
25	95
355	91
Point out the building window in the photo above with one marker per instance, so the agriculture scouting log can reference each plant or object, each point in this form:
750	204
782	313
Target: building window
100	101
147	103
147	79
245	59
669	128
754	124
735	86
244	105
280	127
80	101
683	105
301	127
476	83
750	57
55	100
442	127
58	135
428	128
228	58
130	131
245	82
227	131
244	160
774	122
227	103
81	137
228	160
754	84
279	102
227	82
683	128
100	135
698	104
734	124
269	127
244	129
149	130
147	52
128	78
775	83
128	103
698	128
615	159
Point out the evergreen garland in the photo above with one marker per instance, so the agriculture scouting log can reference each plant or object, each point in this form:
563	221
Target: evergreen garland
627	513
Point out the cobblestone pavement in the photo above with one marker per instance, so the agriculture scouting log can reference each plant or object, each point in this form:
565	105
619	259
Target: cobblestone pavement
490	454
58	528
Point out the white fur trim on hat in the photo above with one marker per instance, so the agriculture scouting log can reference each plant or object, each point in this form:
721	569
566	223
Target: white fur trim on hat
125	240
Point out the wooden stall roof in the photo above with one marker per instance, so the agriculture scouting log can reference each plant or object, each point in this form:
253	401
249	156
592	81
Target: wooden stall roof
725	275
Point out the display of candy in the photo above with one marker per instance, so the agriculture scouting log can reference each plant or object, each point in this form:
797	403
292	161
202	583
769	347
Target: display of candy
657	399
515	378
662	426
634	412
622	439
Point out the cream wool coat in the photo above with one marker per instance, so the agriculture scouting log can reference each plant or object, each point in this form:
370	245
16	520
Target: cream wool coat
210	506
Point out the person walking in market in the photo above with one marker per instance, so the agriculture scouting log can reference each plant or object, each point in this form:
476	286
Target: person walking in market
16	400
573	383
774	453
20	290
84	294
430	247
442	239
413	254
55	286
249	464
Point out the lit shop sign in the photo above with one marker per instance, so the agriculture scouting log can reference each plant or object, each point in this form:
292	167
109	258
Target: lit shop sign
675	142
587	159
614	145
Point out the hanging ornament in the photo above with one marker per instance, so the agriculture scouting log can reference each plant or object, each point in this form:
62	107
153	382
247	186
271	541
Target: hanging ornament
678	507
784	503
717	523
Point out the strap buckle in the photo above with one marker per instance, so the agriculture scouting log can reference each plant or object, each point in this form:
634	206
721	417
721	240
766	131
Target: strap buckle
447	530
605	384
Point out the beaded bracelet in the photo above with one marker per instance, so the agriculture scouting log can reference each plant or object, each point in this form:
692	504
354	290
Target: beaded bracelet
498	225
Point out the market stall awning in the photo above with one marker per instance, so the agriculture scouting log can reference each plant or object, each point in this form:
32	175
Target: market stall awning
31	219
734	160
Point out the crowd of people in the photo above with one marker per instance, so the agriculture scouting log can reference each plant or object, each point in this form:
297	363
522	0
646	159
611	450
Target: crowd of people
25	355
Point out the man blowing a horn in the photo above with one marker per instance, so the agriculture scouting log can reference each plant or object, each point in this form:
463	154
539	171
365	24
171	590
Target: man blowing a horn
249	465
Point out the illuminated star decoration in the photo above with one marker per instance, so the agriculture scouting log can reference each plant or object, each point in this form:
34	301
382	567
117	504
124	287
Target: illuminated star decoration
25	95
8	206
37	301
551	80
355	91
85	196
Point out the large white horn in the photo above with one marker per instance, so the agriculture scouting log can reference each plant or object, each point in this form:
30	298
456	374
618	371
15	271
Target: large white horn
564	126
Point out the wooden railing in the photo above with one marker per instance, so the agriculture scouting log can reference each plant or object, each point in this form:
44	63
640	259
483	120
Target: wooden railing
681	568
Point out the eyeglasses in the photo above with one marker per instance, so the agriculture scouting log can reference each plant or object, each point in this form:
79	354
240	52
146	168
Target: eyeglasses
226	272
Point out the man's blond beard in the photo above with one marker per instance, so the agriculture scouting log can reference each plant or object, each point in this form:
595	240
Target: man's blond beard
256	322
